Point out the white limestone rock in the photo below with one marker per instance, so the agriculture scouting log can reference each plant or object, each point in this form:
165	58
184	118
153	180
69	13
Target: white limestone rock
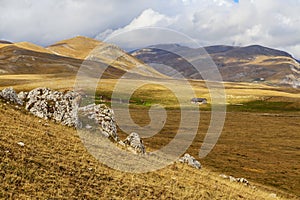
134	143
190	160
10	95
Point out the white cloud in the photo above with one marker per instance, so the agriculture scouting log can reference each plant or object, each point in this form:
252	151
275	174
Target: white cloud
273	23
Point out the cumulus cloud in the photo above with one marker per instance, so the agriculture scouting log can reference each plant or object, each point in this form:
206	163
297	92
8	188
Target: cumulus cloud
269	22
272	23
47	21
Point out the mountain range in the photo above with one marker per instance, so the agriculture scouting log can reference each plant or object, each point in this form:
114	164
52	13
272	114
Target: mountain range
253	63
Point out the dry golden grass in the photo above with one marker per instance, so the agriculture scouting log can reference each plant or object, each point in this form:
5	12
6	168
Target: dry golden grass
54	164
27	46
78	47
261	146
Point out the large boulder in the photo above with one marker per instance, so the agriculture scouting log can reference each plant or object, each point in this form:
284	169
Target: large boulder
48	104
190	160
10	95
134	143
102	116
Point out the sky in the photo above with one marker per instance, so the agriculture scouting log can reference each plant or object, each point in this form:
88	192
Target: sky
272	23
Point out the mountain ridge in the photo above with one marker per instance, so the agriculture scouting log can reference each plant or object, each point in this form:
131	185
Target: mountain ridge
242	64
66	56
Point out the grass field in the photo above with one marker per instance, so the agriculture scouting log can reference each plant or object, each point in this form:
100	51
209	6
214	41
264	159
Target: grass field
54	164
260	141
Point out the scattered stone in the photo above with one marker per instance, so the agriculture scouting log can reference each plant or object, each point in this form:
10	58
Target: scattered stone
122	143
273	195
134	143
243	180
21	144
190	160
10	95
223	176
88	126
232	179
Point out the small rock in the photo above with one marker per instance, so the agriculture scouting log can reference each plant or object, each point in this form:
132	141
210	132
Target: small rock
273	195
88	126
190	160
121	143
232	179
135	143
223	176
21	144
22	95
243	180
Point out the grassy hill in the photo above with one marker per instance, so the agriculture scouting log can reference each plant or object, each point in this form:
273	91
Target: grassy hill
67	56
259	140
54	164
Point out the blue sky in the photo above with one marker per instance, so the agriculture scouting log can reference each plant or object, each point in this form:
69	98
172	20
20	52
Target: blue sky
273	23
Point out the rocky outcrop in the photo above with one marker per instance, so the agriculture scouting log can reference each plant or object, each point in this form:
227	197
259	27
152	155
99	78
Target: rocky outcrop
48	104
190	160
103	116
10	95
134	143
63	107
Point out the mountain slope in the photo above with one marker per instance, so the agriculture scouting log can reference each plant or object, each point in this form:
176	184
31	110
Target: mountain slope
67	56
86	48
246	64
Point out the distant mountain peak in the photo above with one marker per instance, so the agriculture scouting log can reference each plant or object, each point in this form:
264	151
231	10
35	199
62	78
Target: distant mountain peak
5	42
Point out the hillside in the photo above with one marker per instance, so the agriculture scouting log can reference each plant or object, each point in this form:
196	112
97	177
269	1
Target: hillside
67	56
53	164
244	64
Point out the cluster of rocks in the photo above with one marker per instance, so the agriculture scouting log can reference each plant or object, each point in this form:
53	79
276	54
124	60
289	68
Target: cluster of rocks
103	116
64	108
190	160
48	104
233	179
